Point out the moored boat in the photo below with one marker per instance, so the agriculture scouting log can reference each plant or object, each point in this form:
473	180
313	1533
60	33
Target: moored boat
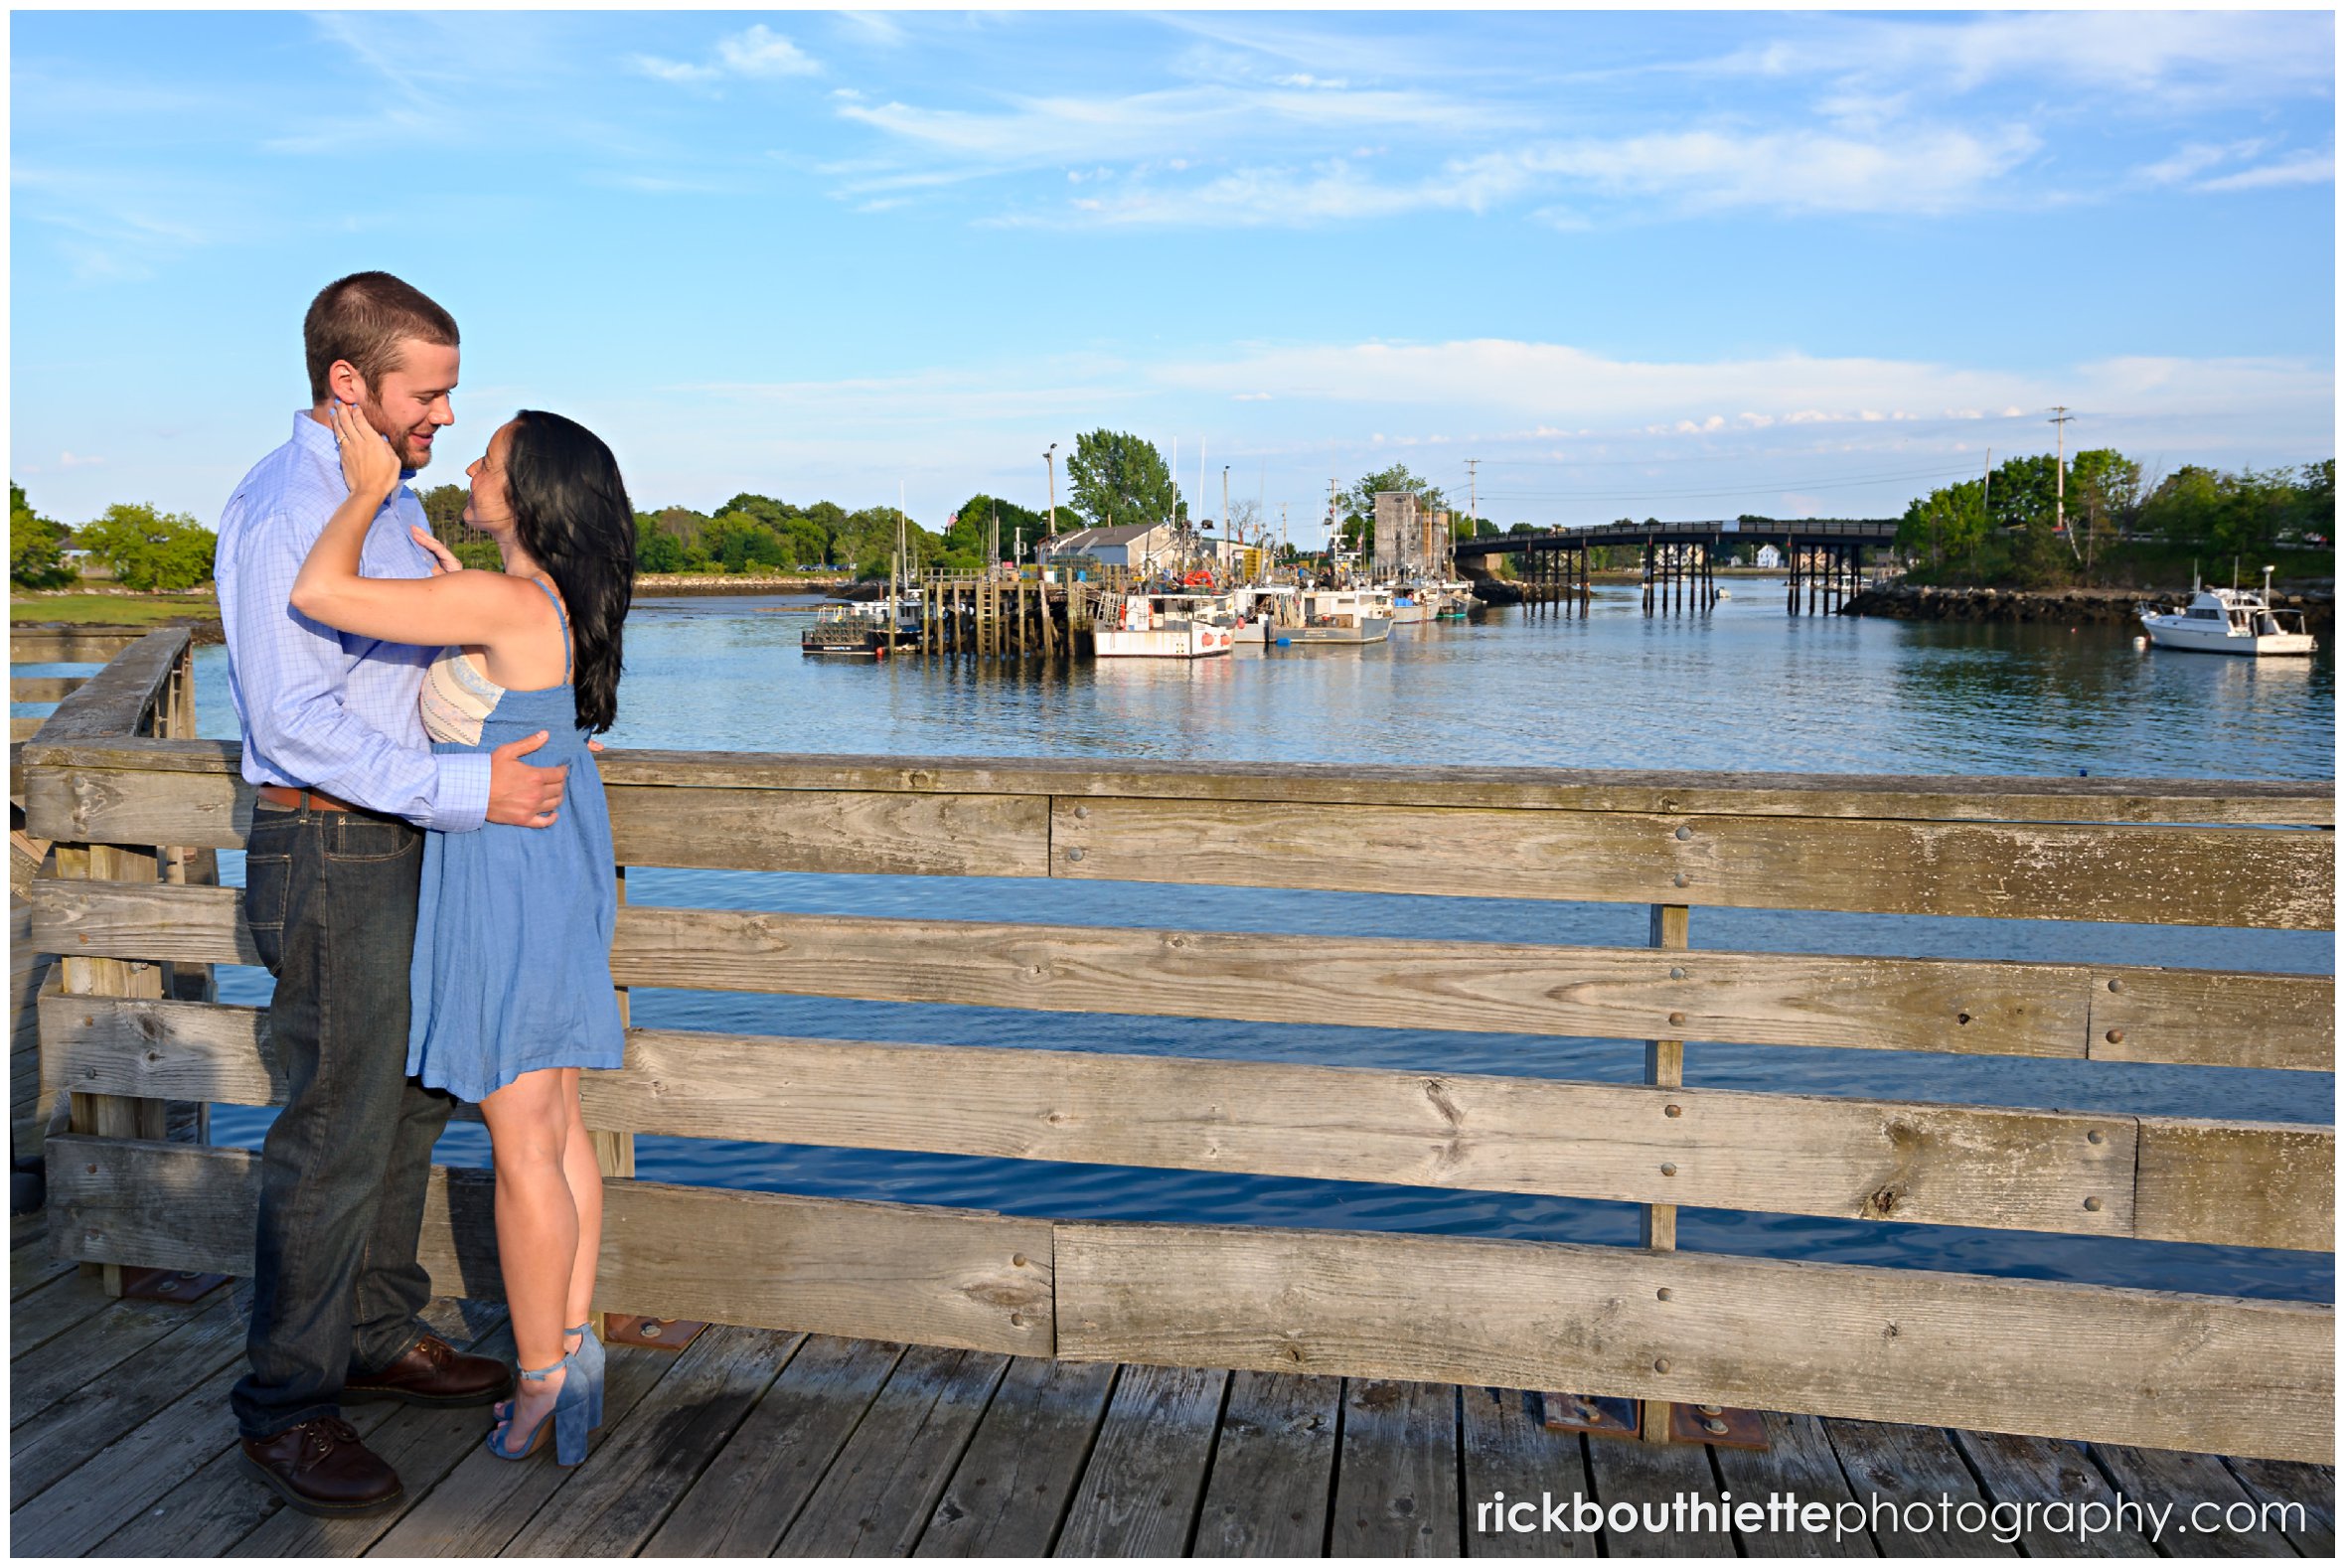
1341	615
1175	625
2230	621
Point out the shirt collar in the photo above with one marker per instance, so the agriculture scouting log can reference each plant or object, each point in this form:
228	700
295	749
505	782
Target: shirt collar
318	440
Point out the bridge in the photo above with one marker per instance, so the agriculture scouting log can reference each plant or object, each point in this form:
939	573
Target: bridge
1823	555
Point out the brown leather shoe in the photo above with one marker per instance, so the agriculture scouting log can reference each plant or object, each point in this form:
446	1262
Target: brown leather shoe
434	1372
320	1467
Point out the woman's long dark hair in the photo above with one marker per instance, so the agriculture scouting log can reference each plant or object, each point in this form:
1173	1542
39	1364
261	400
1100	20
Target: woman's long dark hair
573	516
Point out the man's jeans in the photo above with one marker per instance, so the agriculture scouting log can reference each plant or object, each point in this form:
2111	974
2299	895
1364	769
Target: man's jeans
330	899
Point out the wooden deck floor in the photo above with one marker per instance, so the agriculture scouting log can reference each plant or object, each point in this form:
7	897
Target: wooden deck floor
753	1441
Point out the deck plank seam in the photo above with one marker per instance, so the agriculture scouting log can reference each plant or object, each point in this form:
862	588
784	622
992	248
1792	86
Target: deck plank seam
960	1453
845	1441
1336	1467
1067	1508
1196	1517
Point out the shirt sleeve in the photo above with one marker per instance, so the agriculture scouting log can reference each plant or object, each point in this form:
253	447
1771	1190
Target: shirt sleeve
290	670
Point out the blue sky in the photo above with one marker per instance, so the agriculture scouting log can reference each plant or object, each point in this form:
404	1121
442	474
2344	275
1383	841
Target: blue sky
1674	264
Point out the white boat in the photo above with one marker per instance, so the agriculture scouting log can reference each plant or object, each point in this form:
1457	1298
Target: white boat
1341	615
1266	611
2230	621
1163	626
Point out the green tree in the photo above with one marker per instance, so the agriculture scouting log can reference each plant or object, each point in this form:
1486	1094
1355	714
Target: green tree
149	549
444	509
742	544
1117	478
35	546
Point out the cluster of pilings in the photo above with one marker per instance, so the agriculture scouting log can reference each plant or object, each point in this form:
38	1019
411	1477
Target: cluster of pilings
1677	578
1554	582
1003	618
1829	572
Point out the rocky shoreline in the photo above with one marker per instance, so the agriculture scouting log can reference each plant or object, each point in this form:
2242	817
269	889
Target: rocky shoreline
2065	606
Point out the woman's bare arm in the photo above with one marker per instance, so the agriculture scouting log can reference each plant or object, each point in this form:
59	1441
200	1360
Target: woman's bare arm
475	608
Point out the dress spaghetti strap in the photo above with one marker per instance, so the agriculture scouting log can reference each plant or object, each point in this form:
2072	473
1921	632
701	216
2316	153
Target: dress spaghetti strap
567	651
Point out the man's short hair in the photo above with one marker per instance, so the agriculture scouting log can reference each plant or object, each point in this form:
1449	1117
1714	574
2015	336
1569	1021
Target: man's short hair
361	318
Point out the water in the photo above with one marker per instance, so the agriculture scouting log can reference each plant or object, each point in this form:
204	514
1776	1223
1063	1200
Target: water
1747	687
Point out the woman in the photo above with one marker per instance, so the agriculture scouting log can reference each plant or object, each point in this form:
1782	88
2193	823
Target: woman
511	980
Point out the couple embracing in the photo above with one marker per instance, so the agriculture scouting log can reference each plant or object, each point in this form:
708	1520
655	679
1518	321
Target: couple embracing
429	877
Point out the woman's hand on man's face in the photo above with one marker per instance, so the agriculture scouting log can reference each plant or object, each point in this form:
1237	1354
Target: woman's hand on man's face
368	465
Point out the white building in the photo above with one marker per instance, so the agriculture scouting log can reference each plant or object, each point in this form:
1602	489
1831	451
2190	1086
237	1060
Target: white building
1141	544
1769	559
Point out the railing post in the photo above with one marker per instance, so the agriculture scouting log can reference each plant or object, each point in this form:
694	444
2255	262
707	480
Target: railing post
1664	1066
111	1115
614	1153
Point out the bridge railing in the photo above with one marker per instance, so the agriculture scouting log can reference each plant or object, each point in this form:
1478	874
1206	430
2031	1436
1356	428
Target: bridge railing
2199	1371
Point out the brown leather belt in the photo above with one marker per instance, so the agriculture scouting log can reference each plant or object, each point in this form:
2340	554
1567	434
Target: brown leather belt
307	799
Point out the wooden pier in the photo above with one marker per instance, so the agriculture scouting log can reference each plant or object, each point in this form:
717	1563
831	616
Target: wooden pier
991	616
919	1379
758	1442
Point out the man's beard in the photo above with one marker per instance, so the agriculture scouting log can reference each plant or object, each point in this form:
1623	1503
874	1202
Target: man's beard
399	442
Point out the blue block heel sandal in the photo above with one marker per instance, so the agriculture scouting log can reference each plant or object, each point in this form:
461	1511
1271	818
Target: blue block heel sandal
591	1361
567	1416
589	1354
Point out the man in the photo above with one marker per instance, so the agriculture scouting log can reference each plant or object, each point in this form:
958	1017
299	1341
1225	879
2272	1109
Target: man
347	779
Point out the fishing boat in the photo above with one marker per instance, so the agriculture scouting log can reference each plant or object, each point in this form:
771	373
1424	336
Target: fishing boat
850	631
2230	621
1266	611
1341	615
1164	625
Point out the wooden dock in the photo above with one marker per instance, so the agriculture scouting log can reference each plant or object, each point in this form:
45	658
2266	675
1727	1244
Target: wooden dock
757	1442
891	1377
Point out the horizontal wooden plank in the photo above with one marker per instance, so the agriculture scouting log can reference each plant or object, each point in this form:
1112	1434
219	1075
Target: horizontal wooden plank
43	688
738	830
1938	1005
2265	878
2251	1184
2235	1182
66	644
846	830
117	700
1888	797
766	1260
2235	1018
1761	999
2154	1368
24	728
159	923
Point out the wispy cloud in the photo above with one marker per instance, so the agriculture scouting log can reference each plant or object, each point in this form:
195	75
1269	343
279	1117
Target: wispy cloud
2304	168
2166	56
755	54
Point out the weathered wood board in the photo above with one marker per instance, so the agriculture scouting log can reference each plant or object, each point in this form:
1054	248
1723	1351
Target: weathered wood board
936	1276
2210	1373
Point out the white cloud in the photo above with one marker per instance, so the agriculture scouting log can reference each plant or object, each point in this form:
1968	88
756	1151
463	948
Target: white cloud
1558	385
1916	171
762	52
2305	168
2155	58
757	53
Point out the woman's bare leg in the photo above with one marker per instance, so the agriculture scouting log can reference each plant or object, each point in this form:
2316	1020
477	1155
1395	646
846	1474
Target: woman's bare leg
537	1226
584	1177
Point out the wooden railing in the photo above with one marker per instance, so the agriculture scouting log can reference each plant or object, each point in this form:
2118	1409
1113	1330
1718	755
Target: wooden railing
2156	1369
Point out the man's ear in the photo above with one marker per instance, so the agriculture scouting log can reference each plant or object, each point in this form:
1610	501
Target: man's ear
342	381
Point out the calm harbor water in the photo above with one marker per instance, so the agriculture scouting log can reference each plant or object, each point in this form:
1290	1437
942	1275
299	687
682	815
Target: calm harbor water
1745	687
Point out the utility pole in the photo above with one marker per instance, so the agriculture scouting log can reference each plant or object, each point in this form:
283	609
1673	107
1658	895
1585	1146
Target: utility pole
1050	469
1473	510
2059	422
